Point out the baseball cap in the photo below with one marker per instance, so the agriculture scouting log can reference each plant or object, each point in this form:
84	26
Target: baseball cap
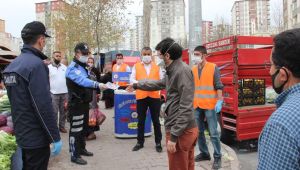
82	47
34	28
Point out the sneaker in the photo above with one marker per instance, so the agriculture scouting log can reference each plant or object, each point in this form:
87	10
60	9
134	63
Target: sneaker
78	161
217	163
137	147
202	157
158	148
84	152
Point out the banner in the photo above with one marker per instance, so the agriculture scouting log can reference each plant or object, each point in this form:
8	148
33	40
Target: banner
121	77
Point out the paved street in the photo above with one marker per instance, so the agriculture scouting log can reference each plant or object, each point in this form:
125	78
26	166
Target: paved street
111	153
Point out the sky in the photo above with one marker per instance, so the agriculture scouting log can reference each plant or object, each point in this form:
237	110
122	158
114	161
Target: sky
17	13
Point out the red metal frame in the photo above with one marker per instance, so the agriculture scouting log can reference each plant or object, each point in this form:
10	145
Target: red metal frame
240	57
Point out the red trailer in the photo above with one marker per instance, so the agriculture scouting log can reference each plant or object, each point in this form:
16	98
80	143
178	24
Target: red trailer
241	59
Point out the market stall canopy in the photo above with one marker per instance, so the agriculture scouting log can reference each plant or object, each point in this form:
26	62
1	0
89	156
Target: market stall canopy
6	55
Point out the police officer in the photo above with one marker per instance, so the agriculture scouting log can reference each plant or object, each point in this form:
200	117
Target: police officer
80	88
27	83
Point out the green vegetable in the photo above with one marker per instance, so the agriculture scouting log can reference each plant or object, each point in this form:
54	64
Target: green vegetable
8	147
4	162
4	104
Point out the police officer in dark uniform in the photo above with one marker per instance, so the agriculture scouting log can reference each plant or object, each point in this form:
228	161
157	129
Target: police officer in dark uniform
80	89
27	83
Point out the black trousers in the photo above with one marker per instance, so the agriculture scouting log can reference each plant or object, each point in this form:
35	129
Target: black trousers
36	159
79	117
142	107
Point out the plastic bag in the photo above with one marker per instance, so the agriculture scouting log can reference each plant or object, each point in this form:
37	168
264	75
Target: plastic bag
92	118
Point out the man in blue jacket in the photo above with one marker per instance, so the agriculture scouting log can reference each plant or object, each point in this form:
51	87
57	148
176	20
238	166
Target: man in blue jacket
27	83
80	89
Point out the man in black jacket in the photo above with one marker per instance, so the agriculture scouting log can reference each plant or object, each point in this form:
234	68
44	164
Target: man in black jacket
27	83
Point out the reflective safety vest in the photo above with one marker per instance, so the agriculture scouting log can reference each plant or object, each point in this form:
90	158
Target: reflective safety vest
122	68
205	96
141	74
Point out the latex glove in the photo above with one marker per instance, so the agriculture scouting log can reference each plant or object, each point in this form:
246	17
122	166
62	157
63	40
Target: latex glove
56	148
218	106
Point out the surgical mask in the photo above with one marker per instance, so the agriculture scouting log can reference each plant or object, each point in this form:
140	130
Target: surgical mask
83	59
146	59
90	65
196	60
279	89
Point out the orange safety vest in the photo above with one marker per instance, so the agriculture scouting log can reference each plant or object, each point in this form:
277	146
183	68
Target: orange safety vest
122	68
205	96
141	74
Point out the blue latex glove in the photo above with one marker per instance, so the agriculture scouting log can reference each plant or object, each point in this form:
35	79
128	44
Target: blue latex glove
218	106
56	148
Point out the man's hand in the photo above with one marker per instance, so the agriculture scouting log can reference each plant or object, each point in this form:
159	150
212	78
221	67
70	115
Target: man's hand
130	88
56	148
218	106
102	86
171	146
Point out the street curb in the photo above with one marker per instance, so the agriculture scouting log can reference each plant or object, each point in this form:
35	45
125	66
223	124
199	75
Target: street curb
235	164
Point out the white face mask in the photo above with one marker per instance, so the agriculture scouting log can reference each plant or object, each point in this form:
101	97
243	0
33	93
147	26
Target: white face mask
146	59
90	65
83	59
196	60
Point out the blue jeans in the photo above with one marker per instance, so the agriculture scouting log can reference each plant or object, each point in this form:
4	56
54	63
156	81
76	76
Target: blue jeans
212	121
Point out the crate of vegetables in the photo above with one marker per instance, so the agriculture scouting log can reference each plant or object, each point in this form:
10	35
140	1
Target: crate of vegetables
251	92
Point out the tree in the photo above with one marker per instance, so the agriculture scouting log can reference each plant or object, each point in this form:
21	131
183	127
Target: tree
221	28
100	23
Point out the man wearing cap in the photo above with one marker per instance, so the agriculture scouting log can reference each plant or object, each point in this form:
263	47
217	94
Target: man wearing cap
80	95
27	83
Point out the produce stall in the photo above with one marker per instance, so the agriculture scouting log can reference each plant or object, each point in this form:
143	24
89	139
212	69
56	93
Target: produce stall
8	143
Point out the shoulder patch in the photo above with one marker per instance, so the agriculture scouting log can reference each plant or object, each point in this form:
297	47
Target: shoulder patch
78	72
10	79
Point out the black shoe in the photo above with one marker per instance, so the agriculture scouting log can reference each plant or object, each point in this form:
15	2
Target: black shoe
78	161
84	152
137	147
217	163
158	148
202	157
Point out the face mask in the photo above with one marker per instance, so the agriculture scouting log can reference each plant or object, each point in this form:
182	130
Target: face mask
90	65
146	59
196	60
279	89
83	59
119	61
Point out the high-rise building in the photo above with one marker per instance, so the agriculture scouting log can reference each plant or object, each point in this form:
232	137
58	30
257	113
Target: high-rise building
291	14
139	32
2	25
207	31
195	21
250	17
8	41
167	20
46	12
